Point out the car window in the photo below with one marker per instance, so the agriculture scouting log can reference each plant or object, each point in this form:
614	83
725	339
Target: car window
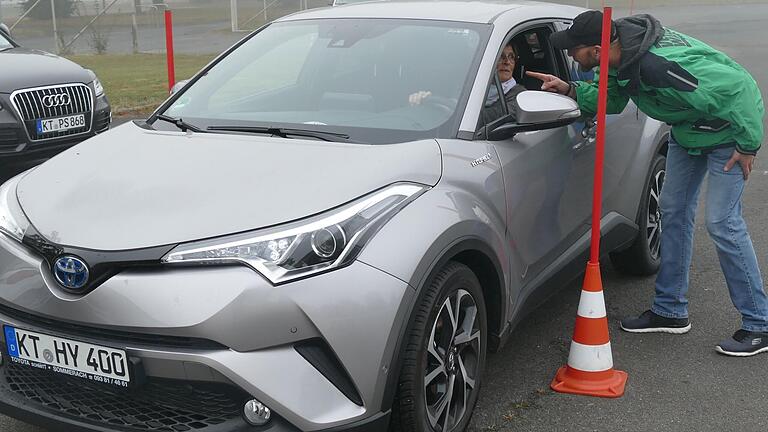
533	53
351	76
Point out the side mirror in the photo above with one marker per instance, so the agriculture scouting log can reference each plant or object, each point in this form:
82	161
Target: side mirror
537	110
4	28
178	86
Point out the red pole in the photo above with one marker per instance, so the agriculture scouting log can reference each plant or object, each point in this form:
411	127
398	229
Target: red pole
597	194
169	49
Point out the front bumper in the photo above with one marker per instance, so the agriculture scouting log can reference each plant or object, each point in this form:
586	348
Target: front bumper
92	410
17	150
224	327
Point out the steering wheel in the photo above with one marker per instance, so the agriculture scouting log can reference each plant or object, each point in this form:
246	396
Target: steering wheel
446	105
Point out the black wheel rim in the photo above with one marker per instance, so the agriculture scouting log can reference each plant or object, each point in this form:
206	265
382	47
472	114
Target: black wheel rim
653	226
453	360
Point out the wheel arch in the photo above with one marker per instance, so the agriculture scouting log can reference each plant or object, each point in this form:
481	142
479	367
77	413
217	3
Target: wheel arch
480	258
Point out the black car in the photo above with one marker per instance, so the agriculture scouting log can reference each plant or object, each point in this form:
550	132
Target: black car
47	104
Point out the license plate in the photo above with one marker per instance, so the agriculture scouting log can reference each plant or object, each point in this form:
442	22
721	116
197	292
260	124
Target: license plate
68	357
60	124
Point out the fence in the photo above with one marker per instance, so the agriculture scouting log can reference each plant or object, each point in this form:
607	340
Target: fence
119	26
202	26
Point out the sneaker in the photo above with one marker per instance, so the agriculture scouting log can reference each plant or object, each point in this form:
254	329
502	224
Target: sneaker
744	344
650	322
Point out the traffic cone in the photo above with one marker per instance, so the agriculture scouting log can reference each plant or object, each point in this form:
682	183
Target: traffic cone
590	370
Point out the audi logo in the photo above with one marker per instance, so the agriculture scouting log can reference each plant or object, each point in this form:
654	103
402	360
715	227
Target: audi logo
57	100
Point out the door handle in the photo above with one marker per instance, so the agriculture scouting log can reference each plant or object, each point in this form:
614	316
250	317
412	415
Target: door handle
590	129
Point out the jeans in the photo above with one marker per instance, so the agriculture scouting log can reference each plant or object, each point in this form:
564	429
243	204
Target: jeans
726	227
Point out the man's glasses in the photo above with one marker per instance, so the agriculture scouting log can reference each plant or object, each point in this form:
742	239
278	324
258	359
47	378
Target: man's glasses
508	57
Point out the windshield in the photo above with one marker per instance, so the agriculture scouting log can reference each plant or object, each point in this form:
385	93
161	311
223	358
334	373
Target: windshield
376	80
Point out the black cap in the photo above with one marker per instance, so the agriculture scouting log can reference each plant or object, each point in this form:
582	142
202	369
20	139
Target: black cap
586	30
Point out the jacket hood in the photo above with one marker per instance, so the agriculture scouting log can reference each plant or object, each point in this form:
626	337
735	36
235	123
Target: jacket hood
637	34
133	188
26	68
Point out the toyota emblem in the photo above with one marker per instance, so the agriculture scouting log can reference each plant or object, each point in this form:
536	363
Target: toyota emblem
71	272
57	100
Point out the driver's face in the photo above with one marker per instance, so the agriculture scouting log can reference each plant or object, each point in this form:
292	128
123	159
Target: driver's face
588	57
506	64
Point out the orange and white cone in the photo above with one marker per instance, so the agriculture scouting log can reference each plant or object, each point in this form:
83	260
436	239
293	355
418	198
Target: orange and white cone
590	364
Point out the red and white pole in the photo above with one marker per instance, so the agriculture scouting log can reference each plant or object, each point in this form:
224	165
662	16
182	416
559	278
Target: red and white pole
589	370
602	109
169	49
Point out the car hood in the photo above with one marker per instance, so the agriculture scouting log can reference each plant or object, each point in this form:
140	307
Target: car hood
26	68
135	188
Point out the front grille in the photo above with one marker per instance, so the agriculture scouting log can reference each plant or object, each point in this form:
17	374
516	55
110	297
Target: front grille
159	405
112	336
31	107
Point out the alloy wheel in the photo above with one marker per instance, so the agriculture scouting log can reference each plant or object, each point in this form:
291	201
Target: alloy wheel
654	215
453	352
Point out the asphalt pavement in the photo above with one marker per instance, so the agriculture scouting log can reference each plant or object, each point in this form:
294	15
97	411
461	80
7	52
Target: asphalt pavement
676	383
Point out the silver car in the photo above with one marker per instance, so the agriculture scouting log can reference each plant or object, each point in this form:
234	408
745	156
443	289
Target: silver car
322	231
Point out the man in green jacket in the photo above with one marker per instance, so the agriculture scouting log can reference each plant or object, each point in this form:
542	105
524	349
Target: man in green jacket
716	113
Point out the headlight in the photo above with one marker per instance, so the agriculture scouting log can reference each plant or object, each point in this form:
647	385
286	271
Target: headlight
305	248
12	219
97	87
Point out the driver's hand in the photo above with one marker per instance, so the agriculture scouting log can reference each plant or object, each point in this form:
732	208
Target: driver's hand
551	83
418	97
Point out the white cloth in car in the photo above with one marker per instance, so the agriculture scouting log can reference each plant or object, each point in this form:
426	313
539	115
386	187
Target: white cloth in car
493	94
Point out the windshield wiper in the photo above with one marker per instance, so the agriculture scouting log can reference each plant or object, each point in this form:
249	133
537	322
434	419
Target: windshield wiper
283	132
179	123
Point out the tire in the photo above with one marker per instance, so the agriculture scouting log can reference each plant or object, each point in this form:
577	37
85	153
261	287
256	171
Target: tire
643	257
454	355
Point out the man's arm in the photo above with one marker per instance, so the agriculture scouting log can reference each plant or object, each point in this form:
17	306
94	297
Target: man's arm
585	93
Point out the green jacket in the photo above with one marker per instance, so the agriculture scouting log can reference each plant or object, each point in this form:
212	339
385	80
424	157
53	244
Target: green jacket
709	99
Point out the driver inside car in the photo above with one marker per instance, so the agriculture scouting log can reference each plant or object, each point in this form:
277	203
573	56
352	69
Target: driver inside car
492	109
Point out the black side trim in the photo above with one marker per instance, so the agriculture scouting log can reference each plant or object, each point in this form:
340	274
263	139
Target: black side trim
317	352
113	336
616	232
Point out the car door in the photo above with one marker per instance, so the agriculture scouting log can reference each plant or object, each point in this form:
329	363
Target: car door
547	173
623	133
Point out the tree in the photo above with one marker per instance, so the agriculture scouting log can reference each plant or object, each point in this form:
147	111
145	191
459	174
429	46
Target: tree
64	8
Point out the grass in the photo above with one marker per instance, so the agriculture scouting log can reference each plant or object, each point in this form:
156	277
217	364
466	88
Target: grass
217	12
137	84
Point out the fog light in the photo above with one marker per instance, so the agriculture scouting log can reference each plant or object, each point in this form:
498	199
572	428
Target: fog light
256	413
